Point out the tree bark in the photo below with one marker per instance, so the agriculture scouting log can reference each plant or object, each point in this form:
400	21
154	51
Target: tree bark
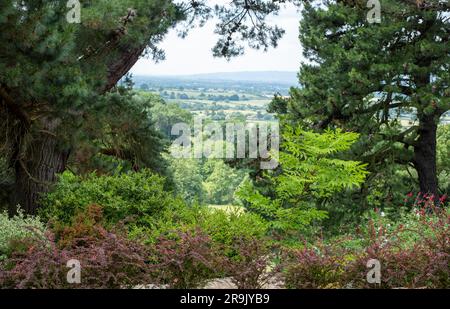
36	169
121	66
425	156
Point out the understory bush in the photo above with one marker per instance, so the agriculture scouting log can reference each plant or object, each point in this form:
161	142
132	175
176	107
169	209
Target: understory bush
135	196
190	258
315	267
252	266
186	259
411	255
107	259
15	230
414	253
228	228
188	244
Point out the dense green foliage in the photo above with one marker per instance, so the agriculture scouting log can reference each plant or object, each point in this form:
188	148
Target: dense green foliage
139	200
309	170
52	96
139	195
443	157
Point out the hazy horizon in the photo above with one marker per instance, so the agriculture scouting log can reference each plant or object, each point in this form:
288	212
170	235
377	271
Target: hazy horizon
213	72
268	77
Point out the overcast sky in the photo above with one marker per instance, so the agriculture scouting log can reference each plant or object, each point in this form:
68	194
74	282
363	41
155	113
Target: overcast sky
193	54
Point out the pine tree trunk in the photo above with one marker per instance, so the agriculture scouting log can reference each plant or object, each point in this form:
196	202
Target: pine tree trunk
37	170
425	156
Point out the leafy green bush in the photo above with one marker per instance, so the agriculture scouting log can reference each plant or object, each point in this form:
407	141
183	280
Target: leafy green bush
443	157
17	228
223	228
139	197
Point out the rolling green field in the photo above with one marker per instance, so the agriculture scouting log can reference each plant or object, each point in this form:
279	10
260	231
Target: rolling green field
220	104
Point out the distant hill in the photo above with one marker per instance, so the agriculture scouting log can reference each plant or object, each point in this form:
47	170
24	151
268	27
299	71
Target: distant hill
275	77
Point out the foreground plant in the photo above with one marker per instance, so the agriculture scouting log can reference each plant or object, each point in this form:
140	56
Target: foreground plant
411	255
185	259
252	266
107	259
15	230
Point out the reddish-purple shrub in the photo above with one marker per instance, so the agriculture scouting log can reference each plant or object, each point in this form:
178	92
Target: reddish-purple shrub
416	267
250	267
425	264
186	259
314	268
108	260
416	256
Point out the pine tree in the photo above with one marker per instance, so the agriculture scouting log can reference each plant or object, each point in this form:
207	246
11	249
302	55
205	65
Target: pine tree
53	73
362	76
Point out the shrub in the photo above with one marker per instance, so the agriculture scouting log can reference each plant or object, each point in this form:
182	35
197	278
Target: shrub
139	200
423	262
185	260
139	196
85	225
222	227
226	229
417	267
251	267
415	253
14	230
107	261
314	268
195	243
